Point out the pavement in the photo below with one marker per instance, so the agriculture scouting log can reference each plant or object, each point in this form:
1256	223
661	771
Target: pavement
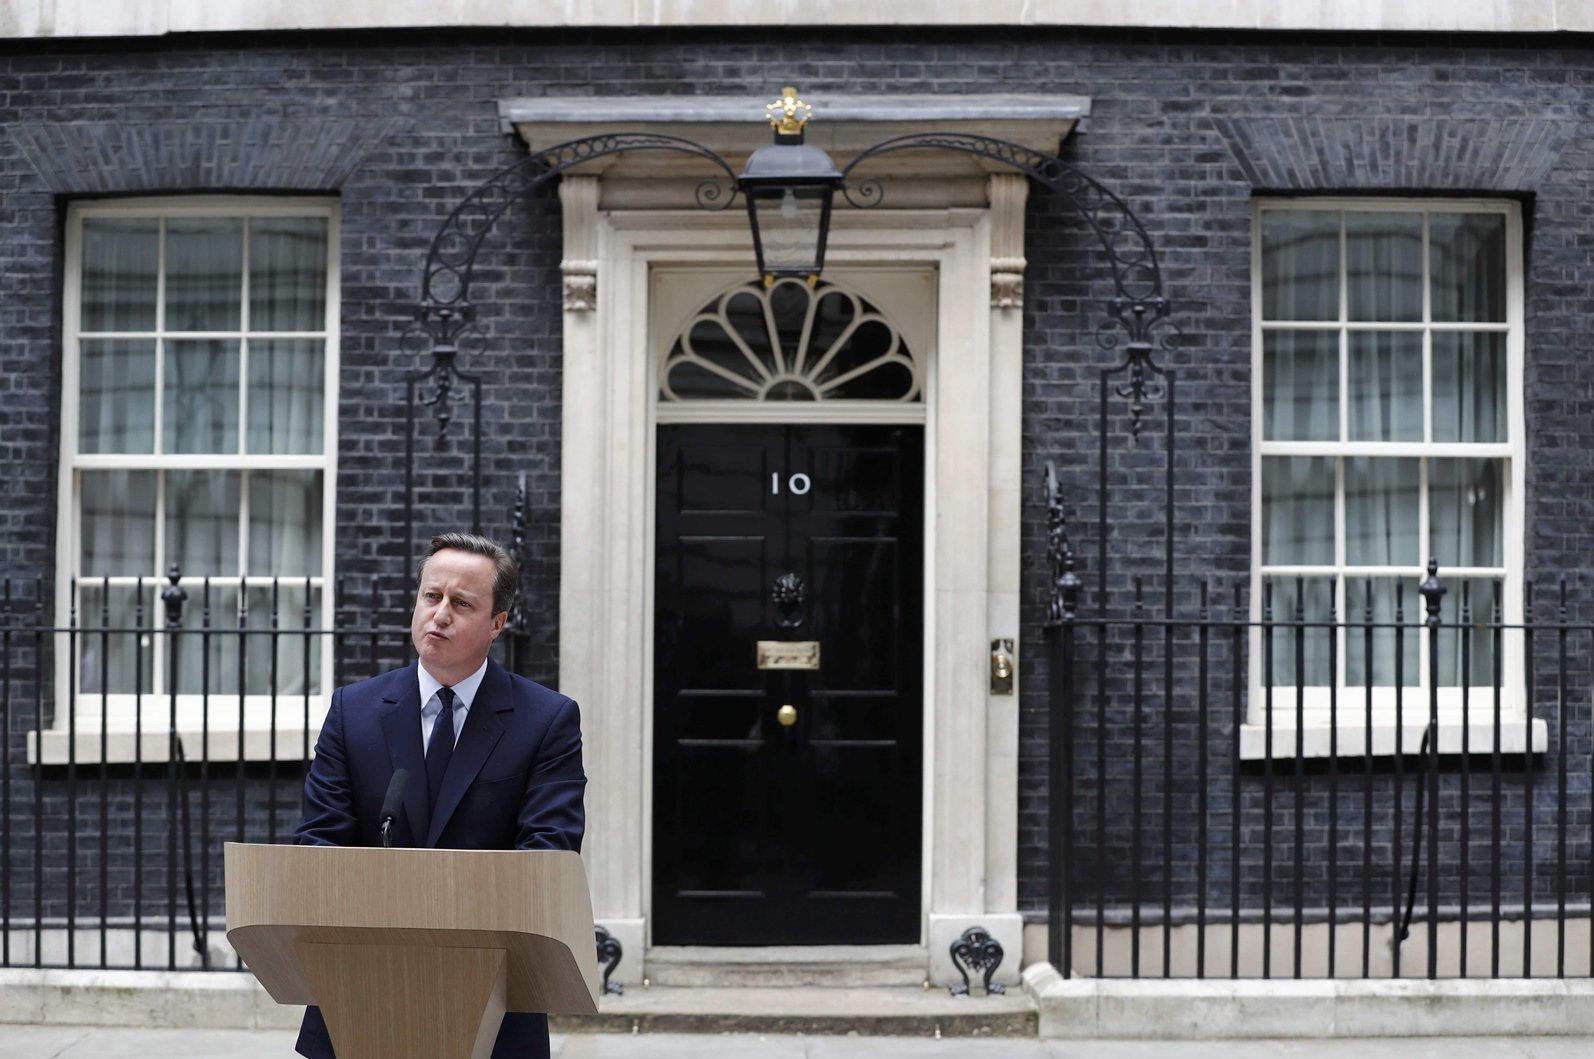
88	1042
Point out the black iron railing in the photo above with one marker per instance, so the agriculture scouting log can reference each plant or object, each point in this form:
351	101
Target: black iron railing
1223	802
1397	792
145	732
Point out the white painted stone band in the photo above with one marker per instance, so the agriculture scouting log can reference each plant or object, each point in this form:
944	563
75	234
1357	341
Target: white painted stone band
85	18
1085	1008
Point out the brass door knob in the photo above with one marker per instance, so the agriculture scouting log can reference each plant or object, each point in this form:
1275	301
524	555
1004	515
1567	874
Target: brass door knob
786	715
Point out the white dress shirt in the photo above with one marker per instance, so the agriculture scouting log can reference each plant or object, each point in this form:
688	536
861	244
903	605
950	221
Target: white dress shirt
432	705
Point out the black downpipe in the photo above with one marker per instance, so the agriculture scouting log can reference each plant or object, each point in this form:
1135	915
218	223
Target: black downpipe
199	932
1416	847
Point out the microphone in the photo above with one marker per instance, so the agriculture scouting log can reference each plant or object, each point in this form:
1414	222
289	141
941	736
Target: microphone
393	803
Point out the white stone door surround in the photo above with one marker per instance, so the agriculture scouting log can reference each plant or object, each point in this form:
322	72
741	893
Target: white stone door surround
966	224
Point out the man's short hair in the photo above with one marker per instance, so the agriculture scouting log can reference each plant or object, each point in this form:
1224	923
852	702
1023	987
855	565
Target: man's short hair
506	568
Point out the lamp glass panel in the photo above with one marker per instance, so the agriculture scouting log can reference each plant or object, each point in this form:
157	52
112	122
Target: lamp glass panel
789	227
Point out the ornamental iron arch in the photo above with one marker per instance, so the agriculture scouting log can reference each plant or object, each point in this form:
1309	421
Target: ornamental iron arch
1138	317
445	314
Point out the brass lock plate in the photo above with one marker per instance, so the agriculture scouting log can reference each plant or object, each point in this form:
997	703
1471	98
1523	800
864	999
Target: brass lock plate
788	654
1002	667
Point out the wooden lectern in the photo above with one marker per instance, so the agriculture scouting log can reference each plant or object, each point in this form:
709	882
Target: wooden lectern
414	953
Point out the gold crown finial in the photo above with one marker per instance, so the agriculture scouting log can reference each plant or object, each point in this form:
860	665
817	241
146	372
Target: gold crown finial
788	114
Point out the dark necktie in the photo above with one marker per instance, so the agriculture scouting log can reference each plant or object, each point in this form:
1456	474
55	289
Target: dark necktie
441	746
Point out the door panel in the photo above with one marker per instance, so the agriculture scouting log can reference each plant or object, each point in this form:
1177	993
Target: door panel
809	833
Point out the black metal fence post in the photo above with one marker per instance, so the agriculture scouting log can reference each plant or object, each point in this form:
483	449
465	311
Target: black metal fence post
71	780
1528	795
138	779
173	596
1562	760
1433	591
1062	609
6	646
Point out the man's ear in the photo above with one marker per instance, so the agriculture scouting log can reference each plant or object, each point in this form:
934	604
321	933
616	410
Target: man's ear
499	620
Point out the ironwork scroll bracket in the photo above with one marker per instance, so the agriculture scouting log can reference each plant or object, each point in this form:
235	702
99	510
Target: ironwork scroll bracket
975	950
445	315
1063	605
1138	314
610	954
519	607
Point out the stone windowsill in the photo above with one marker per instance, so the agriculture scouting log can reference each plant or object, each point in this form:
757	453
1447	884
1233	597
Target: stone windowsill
1317	743
55	747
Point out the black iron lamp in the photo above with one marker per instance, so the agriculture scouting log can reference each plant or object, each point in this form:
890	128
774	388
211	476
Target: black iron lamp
789	186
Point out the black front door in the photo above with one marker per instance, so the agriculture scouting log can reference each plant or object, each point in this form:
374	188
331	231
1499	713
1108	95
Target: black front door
787	800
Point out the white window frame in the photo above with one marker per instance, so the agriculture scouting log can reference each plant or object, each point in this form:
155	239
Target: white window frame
1318	708
274	726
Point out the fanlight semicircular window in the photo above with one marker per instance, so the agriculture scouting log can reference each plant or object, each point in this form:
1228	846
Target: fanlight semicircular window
790	342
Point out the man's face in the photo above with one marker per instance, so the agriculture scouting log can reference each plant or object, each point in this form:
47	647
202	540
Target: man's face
454	623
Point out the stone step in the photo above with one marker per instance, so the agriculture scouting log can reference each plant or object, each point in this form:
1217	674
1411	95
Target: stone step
867	1011
828	966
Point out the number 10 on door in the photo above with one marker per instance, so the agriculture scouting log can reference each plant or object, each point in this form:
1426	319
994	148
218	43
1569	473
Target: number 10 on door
796	484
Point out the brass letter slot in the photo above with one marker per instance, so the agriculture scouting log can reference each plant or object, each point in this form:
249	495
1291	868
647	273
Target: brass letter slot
788	654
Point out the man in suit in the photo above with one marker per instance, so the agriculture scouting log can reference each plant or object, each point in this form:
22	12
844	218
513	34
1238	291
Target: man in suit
502	771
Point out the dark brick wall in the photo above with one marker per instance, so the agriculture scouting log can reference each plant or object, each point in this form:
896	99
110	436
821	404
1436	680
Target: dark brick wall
1188	128
1190	150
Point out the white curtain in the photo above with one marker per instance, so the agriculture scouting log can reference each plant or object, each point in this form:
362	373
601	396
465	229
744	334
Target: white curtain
120	258
204	274
118	539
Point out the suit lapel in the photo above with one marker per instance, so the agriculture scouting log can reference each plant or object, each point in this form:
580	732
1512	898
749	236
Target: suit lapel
481	733
401	725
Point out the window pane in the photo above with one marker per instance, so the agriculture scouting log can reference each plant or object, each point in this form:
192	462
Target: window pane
285	523
1385	383
1469	386
861	353
1298	511
690	381
116	655
1383	266
834	313
1381	503
727	365
120	258
201	396
1300	265
1300	380
1296	654
286	384
1466	512
116	395
202	522
1479	597
287	655
1374	630
204	273
789	303
1467	254
118	529
287	273
209	663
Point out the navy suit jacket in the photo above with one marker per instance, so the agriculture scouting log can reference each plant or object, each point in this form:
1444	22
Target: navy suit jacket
515	781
